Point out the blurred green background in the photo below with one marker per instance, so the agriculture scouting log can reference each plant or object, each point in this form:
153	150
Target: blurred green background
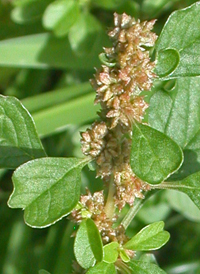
48	51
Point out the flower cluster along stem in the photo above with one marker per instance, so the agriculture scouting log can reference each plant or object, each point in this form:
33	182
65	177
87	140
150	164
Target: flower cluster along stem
126	71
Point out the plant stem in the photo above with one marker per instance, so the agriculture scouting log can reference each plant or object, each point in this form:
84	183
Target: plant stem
135	208
110	205
132	212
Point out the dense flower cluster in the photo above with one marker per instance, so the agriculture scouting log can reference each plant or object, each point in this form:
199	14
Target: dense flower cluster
126	72
93	207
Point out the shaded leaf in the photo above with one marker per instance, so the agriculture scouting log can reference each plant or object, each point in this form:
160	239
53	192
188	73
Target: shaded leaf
29	11
60	15
47	188
140	267
154	156
45	50
111	4
84	34
19	141
181	33
42	271
151	237
190	186
184	268
182	203
110	252
88	247
102	268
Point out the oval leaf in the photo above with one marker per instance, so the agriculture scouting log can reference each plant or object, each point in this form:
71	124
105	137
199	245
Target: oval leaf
151	237
154	156
102	268
88	247
141	267
47	188
19	141
110	252
60	16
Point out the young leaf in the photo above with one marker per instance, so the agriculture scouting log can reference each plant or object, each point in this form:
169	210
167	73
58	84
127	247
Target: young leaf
47	188
110	252
154	156
88	247
181	33
102	268
190	185
141	267
167	61
124	256
60	15
19	141
151	237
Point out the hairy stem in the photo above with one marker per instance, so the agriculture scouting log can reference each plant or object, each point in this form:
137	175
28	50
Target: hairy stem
110	205
132	212
135	208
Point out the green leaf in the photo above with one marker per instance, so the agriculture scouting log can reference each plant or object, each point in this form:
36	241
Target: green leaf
55	97
47	188
167	61
140	267
181	33
190	186
180	202
105	4
154	156
30	11
177	114
19	140
102	268
73	112
110	252
151	237
153	8
60	16
46	51
124	256
88	247
85	33
42	271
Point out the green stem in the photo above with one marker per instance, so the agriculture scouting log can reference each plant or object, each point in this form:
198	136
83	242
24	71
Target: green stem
132	212
110	205
135	208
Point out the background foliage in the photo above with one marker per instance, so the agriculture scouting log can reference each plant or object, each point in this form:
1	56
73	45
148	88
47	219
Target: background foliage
48	51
